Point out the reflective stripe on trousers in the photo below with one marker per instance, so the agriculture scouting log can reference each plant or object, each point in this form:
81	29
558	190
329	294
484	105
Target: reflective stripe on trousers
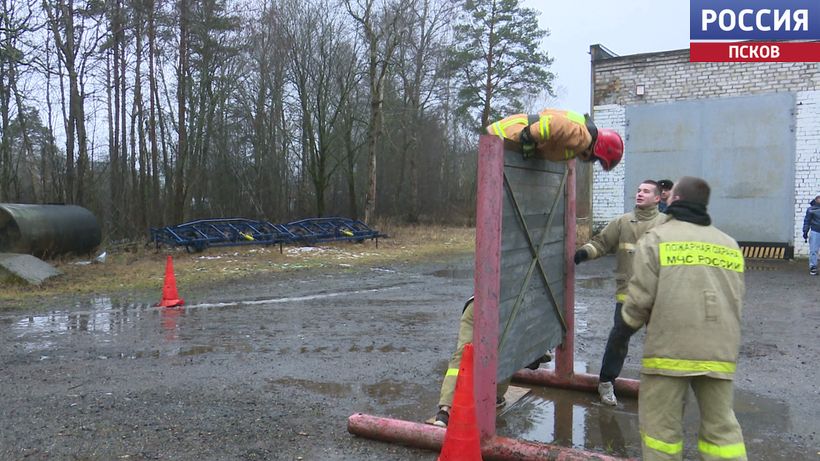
660	412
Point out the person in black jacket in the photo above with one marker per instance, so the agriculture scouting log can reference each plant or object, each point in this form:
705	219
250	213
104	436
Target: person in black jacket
811	232
665	186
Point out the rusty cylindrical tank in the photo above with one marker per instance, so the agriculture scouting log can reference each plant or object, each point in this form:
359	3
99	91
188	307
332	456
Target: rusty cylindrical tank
47	230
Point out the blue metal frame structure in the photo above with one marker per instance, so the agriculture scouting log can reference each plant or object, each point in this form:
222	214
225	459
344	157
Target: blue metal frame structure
197	235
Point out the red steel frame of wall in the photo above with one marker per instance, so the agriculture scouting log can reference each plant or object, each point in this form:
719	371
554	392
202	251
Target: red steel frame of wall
489	203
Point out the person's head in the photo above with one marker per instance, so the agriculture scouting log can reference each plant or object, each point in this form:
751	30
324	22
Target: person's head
608	148
816	200
666	187
690	189
648	194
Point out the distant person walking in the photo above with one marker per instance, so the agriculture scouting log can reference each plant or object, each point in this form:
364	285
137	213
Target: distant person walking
811	232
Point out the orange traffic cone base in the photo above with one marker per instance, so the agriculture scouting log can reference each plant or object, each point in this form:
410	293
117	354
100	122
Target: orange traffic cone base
170	297
462	441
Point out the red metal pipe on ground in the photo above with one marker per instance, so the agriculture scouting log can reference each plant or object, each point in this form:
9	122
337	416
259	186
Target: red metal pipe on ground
576	381
406	433
504	449
430	437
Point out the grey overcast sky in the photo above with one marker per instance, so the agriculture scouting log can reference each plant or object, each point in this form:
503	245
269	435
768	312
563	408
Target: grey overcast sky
624	27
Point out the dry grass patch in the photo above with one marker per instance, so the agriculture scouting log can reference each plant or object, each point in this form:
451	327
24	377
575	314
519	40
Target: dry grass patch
144	269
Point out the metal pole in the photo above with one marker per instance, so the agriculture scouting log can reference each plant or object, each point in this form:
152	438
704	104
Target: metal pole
565	353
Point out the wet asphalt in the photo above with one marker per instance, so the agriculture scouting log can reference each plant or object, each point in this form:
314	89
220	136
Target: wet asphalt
271	368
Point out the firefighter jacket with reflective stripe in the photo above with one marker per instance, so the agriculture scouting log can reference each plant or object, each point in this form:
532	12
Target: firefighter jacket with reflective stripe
620	237
688	289
559	135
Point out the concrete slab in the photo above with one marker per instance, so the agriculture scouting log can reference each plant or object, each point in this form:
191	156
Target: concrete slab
15	267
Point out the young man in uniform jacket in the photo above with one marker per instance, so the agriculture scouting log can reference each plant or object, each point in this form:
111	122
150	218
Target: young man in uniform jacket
620	237
687	288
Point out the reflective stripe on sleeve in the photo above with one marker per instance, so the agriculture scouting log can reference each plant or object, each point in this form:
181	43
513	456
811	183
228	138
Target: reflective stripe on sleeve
700	254
735	450
544	127
661	446
689	365
451	372
500	127
620	297
568	154
576	117
626	246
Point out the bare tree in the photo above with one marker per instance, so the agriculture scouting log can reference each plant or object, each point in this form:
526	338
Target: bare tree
261	97
69	40
419	67
380	25
323	69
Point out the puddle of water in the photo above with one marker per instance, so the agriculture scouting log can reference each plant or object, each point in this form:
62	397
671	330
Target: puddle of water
581	323
578	366
579	420
336	390
99	315
574	419
111	316
196	350
384	391
460	274
593	282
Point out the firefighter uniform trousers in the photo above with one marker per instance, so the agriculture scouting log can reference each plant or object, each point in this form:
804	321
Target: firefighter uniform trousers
465	335
660	412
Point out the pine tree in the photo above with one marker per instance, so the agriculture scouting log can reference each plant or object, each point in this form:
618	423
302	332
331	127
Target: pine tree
497	61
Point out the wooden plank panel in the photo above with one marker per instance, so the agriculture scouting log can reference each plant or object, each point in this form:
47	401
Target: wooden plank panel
535	327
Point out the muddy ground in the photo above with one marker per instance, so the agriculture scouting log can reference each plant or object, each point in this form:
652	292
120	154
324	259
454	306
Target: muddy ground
271	368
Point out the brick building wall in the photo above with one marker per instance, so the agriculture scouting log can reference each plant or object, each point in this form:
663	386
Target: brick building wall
669	76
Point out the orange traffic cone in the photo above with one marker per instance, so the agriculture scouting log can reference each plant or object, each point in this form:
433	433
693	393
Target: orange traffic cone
462	441
170	297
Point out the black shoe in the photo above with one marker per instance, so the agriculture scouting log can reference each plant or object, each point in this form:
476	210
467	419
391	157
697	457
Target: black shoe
500	402
442	418
813	270
546	358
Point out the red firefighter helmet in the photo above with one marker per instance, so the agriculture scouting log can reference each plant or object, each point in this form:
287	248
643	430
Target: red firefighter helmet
609	148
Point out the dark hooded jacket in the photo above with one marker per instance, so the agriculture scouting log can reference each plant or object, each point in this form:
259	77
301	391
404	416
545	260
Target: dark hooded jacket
812	219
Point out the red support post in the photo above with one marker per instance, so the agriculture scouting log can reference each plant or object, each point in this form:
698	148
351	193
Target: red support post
489	207
565	353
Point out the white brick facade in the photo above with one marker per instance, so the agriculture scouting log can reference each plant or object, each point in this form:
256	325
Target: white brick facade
608	188
669	76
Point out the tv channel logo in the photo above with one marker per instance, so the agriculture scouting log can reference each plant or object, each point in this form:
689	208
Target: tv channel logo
754	30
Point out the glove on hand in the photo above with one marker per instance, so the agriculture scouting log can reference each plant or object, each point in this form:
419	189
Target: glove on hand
527	143
805	236
580	256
